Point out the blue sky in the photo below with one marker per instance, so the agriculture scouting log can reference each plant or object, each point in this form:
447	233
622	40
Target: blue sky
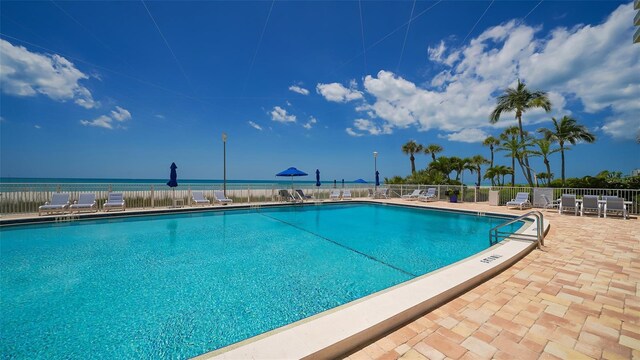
122	89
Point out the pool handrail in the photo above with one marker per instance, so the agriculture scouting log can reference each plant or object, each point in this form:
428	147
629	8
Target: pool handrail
494	234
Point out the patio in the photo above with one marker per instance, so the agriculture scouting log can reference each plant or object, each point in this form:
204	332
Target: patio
578	298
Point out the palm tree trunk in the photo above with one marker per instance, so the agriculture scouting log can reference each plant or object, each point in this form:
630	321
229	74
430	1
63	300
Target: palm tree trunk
513	171
562	157
479	176
492	180
413	164
546	162
433	156
527	169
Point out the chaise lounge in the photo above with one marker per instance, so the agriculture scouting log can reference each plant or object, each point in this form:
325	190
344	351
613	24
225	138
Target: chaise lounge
114	201
199	199
59	203
413	196
85	202
220	198
521	201
429	195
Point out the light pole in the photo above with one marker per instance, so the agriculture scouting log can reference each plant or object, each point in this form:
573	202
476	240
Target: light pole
375	171
224	164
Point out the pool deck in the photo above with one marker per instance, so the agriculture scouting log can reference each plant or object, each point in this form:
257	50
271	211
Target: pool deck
577	298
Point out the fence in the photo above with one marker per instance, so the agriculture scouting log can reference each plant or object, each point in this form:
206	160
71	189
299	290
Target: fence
16	198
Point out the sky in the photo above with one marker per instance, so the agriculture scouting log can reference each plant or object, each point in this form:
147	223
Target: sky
123	89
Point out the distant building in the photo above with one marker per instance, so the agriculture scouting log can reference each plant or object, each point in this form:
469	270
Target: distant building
635	172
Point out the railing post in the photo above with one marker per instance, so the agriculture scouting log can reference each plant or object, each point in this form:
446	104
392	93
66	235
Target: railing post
248	193
189	194
152	198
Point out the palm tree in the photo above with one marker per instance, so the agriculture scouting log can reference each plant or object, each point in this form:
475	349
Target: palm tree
433	149
410	149
567	130
459	165
546	177
544	150
515	147
495	172
519	100
491	142
476	162
442	164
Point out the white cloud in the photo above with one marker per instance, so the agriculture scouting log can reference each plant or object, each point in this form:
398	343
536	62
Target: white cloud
593	64
254	125
622	127
466	135
24	73
119	115
310	123
159	116
280	115
336	92
103	121
299	90
37	127
353	133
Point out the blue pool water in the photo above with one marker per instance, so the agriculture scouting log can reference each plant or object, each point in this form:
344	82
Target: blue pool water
176	286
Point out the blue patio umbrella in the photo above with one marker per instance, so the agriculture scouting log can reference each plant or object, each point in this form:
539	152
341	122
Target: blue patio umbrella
360	181
334	183
173	181
291	172
377	178
343	183
318	177
173	177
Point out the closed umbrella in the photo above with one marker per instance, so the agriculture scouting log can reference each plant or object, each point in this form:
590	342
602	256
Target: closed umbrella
343	183
173	181
291	172
377	178
318	178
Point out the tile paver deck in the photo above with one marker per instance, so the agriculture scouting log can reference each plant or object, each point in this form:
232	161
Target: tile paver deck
577	298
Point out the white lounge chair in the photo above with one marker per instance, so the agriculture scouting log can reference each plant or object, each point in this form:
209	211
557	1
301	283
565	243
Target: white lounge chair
521	200
346	194
382	193
114	201
413	196
590	204
218	197
548	203
302	196
334	195
429	195
85	202
568	202
59	203
199	199
285	195
616	205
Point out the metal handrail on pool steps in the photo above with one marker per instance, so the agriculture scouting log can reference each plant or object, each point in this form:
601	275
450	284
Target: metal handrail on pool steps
494	233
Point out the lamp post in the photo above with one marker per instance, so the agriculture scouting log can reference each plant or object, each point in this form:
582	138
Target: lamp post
224	164
375	171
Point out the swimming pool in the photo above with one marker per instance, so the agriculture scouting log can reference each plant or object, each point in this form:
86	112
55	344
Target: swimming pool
181	285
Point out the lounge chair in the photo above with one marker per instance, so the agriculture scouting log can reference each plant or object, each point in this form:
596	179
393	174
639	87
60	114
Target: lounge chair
429	195
199	199
59	203
521	200
334	195
220	198
85	202
346	194
568	202
382	193
616	205
303	197
548	203
114	201
413	196
285	195
590	204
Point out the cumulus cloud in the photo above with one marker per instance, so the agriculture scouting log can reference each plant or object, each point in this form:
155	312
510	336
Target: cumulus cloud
25	73
299	90
353	133
365	126
117	117
280	115
466	135
312	121
254	125
337	92
593	64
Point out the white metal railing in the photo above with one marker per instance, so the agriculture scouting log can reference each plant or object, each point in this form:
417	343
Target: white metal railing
495	234
16	198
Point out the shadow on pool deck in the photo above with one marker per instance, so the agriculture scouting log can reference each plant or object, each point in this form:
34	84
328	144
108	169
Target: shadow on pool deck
577	298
